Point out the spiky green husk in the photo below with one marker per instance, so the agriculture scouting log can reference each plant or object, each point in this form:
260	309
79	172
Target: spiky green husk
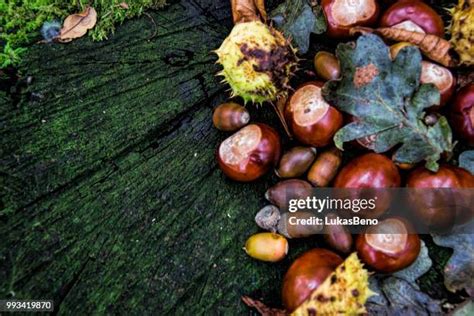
257	62
462	31
344	292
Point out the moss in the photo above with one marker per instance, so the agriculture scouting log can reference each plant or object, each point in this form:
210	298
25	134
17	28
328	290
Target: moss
20	20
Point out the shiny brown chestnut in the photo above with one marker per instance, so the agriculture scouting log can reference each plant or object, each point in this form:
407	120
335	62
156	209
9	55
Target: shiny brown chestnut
281	193
327	66
462	113
390	246
342	15
305	274
230	117
295	162
325	168
249	153
441	77
312	120
414	16
370	171
435	207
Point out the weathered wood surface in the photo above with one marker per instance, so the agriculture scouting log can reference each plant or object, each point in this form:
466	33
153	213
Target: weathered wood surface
110	197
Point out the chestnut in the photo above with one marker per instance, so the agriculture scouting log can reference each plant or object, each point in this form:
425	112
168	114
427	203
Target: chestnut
230	117
389	246
374	171
281	193
305	274
269	247
249	153
414	16
369	171
342	15
462	113
325	167
435	207
295	162
327	66
441	77
312	120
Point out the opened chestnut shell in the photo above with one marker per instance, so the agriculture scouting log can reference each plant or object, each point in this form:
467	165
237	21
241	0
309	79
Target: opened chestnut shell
390	246
441	77
312	120
249	153
414	16
342	15
462	113
305	274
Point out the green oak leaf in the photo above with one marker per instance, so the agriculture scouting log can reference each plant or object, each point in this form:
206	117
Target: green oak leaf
388	102
466	160
459	271
399	294
298	19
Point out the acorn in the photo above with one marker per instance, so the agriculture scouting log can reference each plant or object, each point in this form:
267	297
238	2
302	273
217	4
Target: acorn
230	117
281	193
296	225
325	168
327	66
269	247
267	218
295	162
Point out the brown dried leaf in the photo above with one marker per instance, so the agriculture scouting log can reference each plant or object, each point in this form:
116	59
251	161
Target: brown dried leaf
76	25
248	10
263	309
432	46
